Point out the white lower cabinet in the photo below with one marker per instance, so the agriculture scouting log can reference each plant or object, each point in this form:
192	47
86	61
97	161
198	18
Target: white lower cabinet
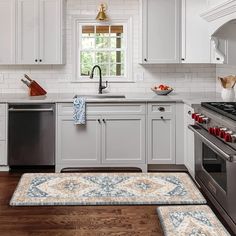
78	144
114	135
124	139
3	154
189	140
161	133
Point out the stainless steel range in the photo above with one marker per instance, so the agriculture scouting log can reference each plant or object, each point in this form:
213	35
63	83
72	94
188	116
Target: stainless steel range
215	155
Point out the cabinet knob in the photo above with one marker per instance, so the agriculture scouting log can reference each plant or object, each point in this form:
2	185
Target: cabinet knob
162	117
162	109
104	121
36	60
99	121
182	59
189	112
40	60
145	59
217	58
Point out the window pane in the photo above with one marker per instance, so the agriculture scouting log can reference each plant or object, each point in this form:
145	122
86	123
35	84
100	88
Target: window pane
117	70
102	42
86	61
105	69
117	57
117	30
117	43
88	31
88	43
102	57
102	31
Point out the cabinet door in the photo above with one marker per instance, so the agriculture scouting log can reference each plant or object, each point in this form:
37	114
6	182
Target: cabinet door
161	139
123	140
50	25
27	32
78	144
7	29
189	141
161	31
195	36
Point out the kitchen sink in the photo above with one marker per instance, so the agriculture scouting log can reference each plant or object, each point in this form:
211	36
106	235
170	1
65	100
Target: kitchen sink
101	96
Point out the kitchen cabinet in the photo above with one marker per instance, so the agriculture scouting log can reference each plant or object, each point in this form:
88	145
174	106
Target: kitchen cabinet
39	31
161	133
195	36
160	31
3	136
7	29
189	140
114	135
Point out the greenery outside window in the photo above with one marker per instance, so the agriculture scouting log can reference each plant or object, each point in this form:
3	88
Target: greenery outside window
104	45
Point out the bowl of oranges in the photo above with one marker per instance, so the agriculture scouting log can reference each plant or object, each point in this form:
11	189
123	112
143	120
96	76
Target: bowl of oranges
162	89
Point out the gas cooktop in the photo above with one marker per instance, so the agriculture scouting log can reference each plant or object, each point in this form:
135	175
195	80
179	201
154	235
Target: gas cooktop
227	109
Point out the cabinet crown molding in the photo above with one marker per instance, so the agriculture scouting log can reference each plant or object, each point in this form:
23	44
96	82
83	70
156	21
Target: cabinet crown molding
219	11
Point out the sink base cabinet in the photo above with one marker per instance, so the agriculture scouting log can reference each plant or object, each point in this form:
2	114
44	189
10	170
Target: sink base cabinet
113	140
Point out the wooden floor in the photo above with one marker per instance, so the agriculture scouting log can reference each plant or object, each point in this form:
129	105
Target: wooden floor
75	220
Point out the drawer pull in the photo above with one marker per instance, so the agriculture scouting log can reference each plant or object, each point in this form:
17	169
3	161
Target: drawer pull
161	109
162	117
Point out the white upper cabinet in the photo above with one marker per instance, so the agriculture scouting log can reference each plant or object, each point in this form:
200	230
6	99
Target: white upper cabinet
39	31
27	31
160	31
195	37
7	29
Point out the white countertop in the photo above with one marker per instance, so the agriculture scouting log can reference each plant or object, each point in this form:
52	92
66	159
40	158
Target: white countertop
188	98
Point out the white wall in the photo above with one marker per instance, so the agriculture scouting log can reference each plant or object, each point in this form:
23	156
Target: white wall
183	78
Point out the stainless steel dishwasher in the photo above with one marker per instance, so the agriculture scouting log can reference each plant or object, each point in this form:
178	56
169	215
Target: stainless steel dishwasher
31	135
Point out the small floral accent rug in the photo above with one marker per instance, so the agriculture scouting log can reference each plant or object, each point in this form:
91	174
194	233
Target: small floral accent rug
106	189
190	221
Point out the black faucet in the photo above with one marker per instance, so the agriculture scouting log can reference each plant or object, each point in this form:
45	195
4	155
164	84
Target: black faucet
101	87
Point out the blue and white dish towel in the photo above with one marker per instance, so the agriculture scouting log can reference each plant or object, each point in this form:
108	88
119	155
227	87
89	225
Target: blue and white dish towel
79	111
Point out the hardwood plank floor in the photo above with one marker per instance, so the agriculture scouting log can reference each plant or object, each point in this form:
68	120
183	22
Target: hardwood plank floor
73	220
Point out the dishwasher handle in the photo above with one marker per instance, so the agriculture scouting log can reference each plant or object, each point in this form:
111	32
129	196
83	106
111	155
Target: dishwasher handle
31	110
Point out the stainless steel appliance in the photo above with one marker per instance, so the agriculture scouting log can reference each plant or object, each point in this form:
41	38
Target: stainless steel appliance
215	156
31	135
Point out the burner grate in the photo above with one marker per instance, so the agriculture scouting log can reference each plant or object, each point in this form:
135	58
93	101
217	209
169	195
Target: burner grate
227	109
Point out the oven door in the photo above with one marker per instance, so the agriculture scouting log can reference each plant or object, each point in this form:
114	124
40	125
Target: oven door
215	164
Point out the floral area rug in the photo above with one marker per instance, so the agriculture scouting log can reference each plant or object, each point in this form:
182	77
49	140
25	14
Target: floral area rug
106	189
190	221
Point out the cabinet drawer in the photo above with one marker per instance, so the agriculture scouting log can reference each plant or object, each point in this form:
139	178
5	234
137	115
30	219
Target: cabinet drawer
104	108
154	108
3	156
2	109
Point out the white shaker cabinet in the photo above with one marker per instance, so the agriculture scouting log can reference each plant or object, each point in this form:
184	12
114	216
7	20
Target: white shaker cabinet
7	29
39	31
123	139
189	140
161	133
114	135
160	31
195	36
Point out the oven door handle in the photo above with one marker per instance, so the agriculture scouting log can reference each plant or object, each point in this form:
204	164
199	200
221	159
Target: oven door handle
217	145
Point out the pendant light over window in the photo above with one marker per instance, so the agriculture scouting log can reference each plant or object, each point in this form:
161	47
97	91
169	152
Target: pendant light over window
101	16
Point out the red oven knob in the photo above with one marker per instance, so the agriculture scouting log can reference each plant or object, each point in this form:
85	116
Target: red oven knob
211	130
216	131
222	132
228	138
200	119
193	116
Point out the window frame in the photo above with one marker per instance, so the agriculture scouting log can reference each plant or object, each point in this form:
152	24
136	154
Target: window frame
77	28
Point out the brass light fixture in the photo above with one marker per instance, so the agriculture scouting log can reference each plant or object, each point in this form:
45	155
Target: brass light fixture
101	16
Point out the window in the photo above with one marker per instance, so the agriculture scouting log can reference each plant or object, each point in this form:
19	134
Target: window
104	45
